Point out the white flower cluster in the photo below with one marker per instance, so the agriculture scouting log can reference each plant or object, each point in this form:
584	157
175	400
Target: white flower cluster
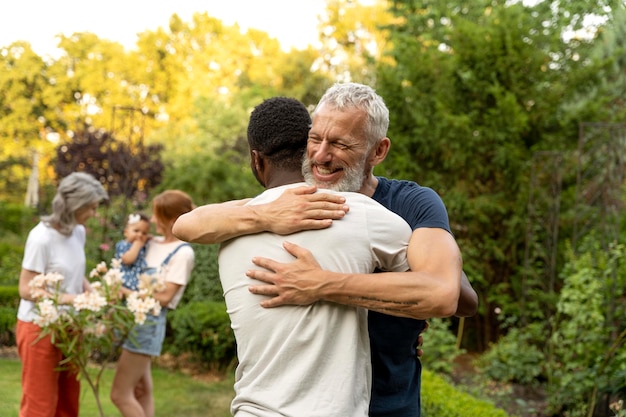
104	291
151	283
98	320
141	302
97	329
89	301
141	306
48	313
43	286
100	269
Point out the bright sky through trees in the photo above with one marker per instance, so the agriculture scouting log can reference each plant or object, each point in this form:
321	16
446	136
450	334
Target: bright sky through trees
294	23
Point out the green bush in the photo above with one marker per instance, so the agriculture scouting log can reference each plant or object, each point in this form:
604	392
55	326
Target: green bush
439	346
9	296
17	218
203	330
439	398
205	283
8	320
585	351
514	358
11	253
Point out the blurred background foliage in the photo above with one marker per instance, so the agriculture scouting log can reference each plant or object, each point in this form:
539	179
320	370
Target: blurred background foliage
479	91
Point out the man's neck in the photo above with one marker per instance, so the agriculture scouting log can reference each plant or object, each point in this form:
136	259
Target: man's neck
369	186
284	178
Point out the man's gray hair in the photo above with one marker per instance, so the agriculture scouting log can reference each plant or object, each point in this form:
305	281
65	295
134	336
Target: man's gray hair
75	191
345	96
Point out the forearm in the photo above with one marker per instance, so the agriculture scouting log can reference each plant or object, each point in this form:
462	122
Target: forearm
430	289
164	297
24	288
130	256
403	294
65	298
216	223
296	209
468	299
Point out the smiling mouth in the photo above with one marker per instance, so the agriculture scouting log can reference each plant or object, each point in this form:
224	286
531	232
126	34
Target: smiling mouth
325	171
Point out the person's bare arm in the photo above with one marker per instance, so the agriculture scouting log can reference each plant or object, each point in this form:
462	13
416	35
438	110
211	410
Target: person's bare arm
430	289
166	295
296	209
468	299
130	256
24	289
86	285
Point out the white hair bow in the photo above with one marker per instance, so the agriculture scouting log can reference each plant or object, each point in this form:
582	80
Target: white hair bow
133	218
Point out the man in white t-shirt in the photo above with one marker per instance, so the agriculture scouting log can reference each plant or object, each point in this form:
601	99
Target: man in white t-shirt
302	360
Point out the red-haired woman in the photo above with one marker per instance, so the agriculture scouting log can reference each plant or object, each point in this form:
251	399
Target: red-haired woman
174	259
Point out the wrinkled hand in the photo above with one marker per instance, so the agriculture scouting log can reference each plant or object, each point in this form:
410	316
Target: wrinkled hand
420	341
294	283
301	208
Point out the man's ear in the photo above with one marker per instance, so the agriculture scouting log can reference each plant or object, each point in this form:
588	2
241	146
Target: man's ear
380	151
257	163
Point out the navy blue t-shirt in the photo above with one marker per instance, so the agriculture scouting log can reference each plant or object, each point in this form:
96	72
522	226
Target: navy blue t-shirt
396	369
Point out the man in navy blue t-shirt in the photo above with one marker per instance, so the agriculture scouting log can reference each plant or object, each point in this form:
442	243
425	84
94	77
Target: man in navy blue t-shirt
348	135
346	141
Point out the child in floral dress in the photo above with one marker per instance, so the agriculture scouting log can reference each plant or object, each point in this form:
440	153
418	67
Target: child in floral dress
132	250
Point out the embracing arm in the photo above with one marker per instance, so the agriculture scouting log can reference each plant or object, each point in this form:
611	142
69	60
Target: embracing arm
430	289
296	209
468	299
215	223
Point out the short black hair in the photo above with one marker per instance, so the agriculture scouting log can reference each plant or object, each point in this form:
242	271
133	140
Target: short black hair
279	130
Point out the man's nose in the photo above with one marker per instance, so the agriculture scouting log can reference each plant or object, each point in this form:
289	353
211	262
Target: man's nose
323	152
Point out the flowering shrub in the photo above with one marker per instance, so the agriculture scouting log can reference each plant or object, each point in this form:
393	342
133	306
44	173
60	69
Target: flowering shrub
97	322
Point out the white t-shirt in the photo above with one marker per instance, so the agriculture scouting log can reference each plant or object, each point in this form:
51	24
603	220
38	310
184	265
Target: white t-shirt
305	361
46	251
178	269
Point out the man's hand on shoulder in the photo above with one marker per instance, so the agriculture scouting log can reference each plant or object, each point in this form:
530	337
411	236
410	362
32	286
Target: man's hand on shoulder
301	208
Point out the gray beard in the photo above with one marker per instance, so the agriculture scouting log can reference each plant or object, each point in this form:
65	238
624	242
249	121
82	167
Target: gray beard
351	181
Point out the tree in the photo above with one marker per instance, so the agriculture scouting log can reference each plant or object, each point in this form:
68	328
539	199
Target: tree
474	88
25	116
353	39
124	171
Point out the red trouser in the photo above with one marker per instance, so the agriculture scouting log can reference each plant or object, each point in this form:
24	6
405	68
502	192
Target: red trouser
46	392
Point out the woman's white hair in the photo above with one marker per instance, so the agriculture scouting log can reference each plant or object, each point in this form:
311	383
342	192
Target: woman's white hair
75	191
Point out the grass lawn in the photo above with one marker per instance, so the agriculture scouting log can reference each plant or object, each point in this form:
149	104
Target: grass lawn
175	394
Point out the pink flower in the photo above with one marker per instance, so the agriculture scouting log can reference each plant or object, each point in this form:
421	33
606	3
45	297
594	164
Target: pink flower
104	247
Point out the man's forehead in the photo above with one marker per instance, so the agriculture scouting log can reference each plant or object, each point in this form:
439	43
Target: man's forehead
339	122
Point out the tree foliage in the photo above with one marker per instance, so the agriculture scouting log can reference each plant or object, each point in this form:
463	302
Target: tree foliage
169	77
474	89
124	170
25	106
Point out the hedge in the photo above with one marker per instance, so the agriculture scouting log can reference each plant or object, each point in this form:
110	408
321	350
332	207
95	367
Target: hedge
202	328
439	398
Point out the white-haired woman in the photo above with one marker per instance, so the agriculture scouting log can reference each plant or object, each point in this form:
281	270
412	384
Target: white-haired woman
55	244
